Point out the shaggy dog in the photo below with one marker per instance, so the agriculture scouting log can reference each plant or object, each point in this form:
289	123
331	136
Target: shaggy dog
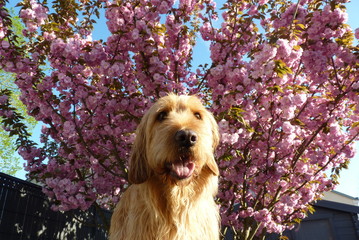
174	175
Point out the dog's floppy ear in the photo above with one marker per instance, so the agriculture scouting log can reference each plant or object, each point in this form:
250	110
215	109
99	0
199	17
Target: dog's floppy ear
212	165
139	171
215	141
215	132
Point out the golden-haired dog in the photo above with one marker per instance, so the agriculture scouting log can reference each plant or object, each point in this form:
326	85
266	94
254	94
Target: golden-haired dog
174	175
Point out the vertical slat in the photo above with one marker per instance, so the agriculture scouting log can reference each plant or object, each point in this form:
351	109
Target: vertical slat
25	214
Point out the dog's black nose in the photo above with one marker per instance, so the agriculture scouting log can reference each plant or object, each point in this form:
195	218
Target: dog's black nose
186	138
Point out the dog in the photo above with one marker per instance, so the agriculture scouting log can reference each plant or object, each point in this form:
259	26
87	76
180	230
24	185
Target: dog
173	175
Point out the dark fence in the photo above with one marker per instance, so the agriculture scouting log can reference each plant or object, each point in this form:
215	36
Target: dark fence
25	214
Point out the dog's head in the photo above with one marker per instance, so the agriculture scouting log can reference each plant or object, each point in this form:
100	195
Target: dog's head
175	139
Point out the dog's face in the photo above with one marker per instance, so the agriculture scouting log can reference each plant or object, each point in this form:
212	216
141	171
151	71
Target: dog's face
175	140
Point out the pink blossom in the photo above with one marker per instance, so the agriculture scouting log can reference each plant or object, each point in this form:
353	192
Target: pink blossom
5	44
299	99
288	128
357	33
284	97
284	48
27	13
206	31
163	8
217	71
262	215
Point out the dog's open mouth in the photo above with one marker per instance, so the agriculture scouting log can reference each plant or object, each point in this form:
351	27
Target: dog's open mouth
182	168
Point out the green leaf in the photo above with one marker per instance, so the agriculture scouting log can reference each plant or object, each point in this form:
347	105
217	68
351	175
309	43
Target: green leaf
283	238
297	47
281	68
311	209
354	125
301	26
297	122
275	89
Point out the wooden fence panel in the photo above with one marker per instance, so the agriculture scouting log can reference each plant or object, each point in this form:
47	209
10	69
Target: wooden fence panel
25	214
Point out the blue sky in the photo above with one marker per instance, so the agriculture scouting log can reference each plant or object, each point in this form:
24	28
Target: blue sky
349	180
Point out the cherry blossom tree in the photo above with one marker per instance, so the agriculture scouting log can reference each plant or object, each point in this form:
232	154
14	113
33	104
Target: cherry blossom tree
9	162
282	81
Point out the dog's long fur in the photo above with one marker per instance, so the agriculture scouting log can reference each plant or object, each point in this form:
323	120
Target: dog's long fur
159	204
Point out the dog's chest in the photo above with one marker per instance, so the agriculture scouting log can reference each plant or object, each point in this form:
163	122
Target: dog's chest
188	220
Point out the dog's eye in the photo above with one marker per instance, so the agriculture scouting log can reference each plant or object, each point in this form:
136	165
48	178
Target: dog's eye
198	115
162	116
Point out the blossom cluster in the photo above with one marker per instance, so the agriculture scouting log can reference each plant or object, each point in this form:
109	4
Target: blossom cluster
285	97
3	28
288	113
34	16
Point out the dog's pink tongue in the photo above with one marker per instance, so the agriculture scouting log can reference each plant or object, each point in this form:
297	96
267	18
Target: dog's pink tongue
183	170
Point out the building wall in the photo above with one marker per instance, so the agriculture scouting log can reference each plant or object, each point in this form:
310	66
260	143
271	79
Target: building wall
327	224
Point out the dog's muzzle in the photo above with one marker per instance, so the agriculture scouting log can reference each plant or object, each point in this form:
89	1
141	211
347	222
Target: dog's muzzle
183	167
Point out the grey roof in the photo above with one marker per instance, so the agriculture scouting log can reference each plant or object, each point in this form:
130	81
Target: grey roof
337	206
